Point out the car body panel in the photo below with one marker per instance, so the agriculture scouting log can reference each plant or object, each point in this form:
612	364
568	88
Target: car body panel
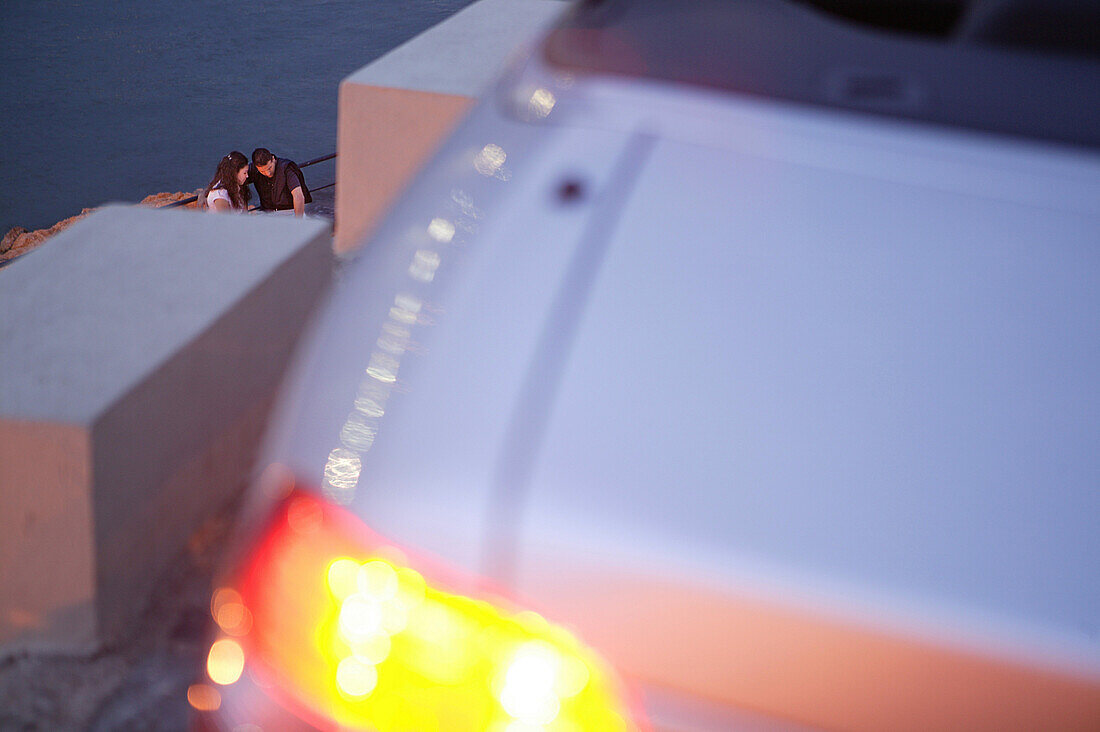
882	389
785	409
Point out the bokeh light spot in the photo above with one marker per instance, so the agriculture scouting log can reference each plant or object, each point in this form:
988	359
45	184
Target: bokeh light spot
304	515
441	230
225	662
343	578
410	587
378	580
374	649
234	618
424	264
356	678
383	367
223	596
360	617
542	102
529	684
357	435
490	159
204	697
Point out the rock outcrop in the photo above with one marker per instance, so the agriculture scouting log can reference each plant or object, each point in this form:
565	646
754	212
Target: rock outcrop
19	241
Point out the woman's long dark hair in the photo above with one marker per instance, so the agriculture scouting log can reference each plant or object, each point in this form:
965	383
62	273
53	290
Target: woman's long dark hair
226	177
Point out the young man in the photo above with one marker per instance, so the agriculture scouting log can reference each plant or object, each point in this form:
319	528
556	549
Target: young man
279	183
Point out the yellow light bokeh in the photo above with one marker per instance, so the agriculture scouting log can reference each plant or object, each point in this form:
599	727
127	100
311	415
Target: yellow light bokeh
410	587
360	618
343	578
355	677
378	580
530	681
225	662
373	649
572	677
368	642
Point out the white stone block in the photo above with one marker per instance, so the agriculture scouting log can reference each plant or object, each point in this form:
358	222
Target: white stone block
394	112
139	351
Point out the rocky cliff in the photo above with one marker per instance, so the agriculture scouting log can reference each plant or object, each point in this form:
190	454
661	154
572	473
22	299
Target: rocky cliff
19	241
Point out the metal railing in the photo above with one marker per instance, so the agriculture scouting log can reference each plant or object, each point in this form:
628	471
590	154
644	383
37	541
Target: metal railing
306	164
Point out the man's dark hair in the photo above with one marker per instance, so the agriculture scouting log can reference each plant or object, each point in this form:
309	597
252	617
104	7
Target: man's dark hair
261	156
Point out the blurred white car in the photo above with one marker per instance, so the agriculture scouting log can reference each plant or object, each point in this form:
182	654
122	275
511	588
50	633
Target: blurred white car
734	365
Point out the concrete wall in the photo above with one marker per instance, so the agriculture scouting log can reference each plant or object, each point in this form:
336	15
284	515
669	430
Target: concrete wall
385	137
395	112
47	553
141	350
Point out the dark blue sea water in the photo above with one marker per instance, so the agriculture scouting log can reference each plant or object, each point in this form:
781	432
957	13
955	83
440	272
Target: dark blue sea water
112	101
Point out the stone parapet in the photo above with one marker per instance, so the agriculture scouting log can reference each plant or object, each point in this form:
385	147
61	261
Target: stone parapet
140	350
394	112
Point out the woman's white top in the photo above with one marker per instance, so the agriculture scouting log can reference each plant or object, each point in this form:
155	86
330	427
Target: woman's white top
215	194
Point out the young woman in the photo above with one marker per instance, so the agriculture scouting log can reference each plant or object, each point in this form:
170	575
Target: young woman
227	190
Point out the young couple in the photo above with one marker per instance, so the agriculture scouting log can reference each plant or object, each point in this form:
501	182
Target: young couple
278	182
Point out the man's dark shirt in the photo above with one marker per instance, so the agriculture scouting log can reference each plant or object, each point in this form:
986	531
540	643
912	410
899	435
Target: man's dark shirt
265	187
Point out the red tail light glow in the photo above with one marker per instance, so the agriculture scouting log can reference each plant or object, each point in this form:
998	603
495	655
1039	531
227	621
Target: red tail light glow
349	630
